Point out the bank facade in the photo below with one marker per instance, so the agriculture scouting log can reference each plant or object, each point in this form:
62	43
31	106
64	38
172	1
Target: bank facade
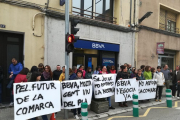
34	32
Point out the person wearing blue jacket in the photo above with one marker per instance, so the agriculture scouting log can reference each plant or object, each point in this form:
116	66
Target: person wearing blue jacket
14	69
73	75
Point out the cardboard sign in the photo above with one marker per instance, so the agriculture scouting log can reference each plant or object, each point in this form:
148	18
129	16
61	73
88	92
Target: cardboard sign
125	89
34	99
75	92
104	85
147	89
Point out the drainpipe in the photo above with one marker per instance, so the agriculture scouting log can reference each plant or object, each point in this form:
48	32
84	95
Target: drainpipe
130	12
134	12
33	26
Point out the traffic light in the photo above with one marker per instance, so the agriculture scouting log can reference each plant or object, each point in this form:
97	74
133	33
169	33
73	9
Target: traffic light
74	30
70	42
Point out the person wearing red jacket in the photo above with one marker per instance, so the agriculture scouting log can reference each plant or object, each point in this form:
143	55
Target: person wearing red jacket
113	71
21	77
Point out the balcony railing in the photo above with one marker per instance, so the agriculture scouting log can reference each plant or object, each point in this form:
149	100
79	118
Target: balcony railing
94	15
168	28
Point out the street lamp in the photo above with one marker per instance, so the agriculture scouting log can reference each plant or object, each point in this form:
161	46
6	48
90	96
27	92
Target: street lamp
145	16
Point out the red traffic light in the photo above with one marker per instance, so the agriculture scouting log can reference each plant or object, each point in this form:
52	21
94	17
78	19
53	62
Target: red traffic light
70	38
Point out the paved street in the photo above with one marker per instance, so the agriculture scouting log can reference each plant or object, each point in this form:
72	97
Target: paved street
154	114
8	113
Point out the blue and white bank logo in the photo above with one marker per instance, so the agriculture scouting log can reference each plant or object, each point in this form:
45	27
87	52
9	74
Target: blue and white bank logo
107	61
95	45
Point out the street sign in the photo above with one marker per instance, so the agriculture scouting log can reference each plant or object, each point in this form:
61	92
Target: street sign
2	26
62	2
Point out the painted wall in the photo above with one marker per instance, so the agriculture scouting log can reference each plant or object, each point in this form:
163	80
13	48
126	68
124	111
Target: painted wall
154	6
147	47
55	41
19	19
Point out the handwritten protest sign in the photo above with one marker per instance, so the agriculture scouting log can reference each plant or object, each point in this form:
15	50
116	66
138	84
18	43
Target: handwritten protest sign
125	89
104	85
75	92
34	99
147	89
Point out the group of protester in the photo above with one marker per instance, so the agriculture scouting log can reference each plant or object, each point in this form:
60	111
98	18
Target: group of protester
19	74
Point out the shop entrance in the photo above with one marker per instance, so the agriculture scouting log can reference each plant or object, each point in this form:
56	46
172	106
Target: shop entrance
11	45
166	60
88	58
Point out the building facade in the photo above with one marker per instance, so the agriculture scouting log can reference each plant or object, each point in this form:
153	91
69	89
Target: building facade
34	32
161	27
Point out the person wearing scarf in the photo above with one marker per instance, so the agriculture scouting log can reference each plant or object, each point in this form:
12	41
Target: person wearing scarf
47	74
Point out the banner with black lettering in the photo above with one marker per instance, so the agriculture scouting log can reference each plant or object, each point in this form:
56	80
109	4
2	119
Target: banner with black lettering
75	92
147	89
104	85
125	89
32	99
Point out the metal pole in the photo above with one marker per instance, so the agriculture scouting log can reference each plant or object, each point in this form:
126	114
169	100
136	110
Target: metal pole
66	54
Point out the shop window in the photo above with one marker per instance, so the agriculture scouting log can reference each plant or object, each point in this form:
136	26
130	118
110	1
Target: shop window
168	21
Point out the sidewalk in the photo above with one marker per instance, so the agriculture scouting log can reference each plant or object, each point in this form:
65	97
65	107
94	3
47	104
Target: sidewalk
8	113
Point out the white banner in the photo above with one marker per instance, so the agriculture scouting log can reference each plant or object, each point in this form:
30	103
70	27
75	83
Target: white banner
104	85
32	99
125	89
147	89
75	92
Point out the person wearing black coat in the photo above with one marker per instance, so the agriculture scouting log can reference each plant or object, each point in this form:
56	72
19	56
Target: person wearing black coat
122	75
174	80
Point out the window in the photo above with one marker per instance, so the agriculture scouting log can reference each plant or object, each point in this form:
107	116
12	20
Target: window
76	5
88	8
95	9
168	21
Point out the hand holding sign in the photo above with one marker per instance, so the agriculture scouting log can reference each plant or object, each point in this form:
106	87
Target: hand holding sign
33	99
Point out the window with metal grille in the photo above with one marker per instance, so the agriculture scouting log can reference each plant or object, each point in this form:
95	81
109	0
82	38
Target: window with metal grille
95	9
167	21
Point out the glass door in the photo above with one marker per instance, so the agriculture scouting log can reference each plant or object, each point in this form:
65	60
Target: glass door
166	60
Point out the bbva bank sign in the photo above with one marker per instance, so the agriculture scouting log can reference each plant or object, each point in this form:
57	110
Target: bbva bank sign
96	45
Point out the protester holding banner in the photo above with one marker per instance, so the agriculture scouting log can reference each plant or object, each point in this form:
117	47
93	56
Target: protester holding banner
134	72
21	77
33	69
143	68
113	71
73	75
122	75
98	69
79	76
140	76
57	72
41	68
62	76
82	69
147	73
160	83
47	74
36	76
104	71
88	73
